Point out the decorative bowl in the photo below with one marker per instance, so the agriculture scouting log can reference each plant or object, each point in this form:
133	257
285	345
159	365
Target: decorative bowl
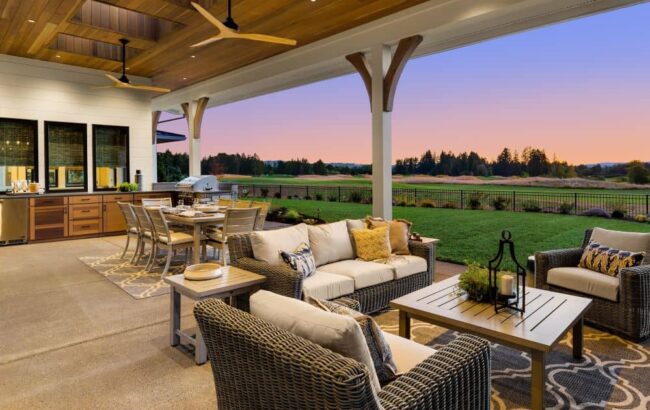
204	271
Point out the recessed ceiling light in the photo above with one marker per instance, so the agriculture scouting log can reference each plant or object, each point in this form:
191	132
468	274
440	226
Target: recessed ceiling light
128	68
192	56
58	56
184	78
31	21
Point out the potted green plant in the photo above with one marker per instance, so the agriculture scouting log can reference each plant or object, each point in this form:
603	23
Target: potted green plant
127	187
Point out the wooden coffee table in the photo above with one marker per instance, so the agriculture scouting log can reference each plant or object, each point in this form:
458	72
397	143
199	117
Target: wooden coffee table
549	316
233	283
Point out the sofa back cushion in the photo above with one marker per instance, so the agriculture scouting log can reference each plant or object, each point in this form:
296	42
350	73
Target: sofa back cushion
625	241
267	245
330	242
399	231
340	334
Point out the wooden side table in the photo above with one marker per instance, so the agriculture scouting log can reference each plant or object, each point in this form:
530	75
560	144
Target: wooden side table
234	282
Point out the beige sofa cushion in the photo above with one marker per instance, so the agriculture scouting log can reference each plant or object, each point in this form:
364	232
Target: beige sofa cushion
268	244
363	273
341	334
406	353
330	242
585	281
625	241
324	285
407	265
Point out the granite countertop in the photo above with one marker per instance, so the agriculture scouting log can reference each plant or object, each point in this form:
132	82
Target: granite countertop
53	194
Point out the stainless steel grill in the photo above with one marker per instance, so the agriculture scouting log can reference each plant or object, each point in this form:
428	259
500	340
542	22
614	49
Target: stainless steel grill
203	187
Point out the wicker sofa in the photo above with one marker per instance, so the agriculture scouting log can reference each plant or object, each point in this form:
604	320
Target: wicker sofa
621	305
374	291
257	365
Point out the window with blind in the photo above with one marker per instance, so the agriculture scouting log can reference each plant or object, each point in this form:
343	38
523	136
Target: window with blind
65	156
111	156
18	152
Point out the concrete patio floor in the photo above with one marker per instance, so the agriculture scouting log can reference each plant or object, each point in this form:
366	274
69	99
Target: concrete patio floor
72	339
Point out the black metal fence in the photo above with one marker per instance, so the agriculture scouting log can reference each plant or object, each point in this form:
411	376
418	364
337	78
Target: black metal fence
573	202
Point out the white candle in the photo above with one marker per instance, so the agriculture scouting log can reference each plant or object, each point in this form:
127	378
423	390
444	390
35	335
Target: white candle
506	285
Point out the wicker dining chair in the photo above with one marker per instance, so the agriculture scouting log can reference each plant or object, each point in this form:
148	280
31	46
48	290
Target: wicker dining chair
168	240
236	221
264	211
146	236
257	365
132	228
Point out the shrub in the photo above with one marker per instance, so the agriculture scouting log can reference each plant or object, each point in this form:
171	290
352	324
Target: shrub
366	201
475	201
618	213
264	192
427	203
332	198
277	195
641	218
531	206
355	197
319	197
449	205
566	208
400	202
411	204
292	215
596	212
500	203
308	197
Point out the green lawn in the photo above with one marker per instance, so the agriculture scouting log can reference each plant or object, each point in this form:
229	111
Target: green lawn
361	181
467	235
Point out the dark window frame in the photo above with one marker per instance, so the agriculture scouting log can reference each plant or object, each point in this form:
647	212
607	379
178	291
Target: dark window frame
34	123
128	155
47	155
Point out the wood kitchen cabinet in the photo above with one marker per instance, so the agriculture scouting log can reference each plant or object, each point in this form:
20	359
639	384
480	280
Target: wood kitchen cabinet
48	218
113	220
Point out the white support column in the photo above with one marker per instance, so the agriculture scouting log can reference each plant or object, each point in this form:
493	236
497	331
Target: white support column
382	182
155	117
194	114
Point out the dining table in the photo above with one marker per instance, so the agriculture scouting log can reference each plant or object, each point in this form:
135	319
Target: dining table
199	222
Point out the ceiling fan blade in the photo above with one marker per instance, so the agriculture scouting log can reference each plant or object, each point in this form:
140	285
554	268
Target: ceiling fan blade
149	88
211	18
208	41
266	38
103	87
113	79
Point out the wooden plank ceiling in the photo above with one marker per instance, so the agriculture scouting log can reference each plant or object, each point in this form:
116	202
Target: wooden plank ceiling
29	28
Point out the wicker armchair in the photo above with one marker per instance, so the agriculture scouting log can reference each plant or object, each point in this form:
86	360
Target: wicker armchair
283	280
257	365
629	316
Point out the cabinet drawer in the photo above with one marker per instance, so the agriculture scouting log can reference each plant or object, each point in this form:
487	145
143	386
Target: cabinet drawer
118	198
48	201
91	211
44	234
85	227
85	199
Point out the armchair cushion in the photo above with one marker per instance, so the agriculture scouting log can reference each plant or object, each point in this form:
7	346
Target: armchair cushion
325	285
629	241
585	281
407	265
330	242
341	334
267	245
407	353
363	273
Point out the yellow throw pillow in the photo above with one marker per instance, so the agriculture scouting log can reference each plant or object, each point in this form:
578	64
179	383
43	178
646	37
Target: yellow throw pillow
372	244
399	231
610	261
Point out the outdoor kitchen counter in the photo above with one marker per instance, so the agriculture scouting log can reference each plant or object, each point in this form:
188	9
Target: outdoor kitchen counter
70	215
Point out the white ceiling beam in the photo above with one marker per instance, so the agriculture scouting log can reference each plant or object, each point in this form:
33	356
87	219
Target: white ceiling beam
444	25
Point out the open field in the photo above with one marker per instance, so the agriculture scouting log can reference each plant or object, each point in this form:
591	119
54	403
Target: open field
455	183
467	235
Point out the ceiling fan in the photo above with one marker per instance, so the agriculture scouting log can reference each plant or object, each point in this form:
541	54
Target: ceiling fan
123	81
230	29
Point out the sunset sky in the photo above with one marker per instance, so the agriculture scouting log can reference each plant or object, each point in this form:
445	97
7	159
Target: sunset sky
580	90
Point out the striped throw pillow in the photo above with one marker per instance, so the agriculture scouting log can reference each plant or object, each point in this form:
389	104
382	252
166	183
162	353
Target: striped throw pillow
301	260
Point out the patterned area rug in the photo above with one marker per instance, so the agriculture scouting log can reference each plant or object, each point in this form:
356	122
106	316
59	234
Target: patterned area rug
133	279
614	373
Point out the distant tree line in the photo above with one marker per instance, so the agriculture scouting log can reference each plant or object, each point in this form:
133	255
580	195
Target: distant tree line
532	162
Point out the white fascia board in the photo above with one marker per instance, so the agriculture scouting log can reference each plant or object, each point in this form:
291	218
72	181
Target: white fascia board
444	25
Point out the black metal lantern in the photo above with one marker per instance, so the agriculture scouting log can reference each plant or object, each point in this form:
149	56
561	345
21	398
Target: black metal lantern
507	292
